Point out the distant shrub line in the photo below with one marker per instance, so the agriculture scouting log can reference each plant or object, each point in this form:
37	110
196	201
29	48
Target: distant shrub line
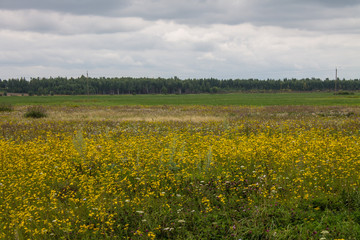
128	85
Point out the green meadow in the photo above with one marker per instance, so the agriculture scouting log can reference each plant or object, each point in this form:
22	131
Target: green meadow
235	99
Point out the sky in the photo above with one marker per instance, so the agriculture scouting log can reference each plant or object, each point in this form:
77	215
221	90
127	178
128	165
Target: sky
237	39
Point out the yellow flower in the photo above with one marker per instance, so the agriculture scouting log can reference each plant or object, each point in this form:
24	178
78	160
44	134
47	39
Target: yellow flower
151	235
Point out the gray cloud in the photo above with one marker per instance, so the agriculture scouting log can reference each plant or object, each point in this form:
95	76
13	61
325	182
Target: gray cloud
285	13
330	3
53	22
199	38
91	7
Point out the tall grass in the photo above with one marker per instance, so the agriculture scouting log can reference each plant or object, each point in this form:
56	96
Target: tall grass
6	107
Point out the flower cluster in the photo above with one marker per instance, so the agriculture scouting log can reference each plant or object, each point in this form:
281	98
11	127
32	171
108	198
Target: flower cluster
143	180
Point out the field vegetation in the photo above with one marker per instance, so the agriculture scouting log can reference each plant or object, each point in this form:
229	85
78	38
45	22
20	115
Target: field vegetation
235	99
180	172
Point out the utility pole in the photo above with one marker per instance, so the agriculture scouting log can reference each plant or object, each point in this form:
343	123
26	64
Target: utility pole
336	77
87	82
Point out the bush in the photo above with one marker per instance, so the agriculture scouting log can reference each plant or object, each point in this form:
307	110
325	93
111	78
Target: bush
215	90
35	112
344	93
6	107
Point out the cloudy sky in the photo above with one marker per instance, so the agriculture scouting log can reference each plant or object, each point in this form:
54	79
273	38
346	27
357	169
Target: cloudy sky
188	38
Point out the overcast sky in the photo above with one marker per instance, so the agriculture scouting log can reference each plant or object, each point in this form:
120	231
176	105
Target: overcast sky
188	38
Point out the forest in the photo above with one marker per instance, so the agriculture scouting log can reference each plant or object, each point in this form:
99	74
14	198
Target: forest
127	85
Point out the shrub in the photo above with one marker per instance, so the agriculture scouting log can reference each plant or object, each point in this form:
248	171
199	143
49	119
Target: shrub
35	112
6	107
344	93
215	90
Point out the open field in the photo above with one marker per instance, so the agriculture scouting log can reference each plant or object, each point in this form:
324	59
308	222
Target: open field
180	172
237	99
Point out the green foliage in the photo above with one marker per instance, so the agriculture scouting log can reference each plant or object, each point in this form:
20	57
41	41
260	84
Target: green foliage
128	85
35	112
343	93
215	90
164	90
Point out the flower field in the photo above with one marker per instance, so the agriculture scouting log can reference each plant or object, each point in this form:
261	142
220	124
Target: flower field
190	172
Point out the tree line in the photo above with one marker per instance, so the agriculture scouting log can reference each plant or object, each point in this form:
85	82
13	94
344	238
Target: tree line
128	85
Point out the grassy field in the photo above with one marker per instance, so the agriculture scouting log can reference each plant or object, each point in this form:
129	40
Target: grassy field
237	99
114	169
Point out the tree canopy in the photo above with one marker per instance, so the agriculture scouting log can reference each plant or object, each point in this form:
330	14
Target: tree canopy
129	85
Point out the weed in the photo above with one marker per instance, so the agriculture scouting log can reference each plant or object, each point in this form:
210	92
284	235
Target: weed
35	112
6	107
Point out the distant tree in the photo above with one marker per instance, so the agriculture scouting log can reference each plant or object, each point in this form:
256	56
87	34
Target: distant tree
164	90
128	85
215	90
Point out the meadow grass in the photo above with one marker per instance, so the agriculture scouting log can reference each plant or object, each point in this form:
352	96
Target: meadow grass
180	172
236	99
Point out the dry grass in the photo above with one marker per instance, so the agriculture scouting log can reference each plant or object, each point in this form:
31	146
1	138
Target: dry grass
122	113
196	114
